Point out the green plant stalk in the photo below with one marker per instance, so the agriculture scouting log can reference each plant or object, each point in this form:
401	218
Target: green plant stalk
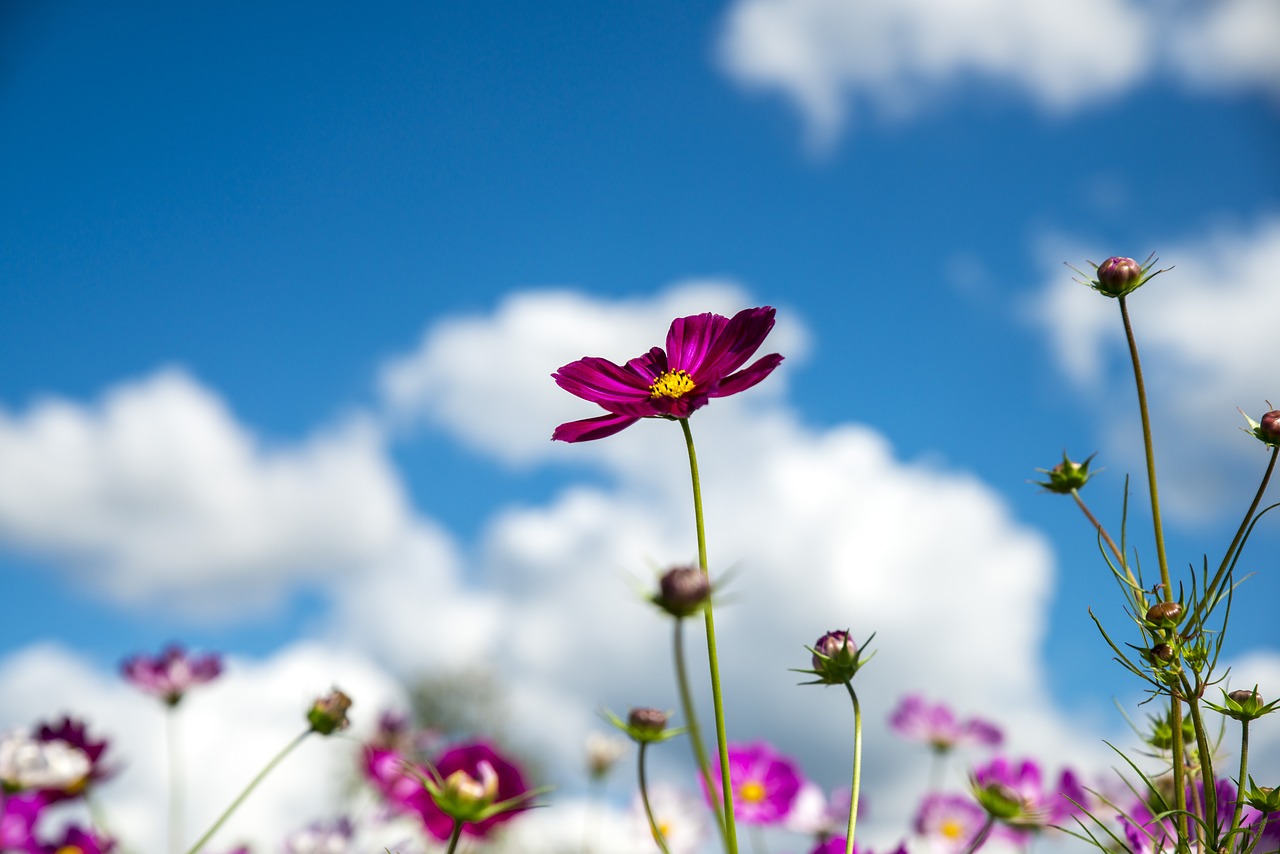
1236	543
1111	544
731	831
691	724
253	784
644	798
1175	705
983	833
857	769
176	811
1206	764
455	836
1244	768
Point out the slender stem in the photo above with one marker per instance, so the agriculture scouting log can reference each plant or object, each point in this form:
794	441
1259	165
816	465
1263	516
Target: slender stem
455	836
176	812
1102	532
644	798
857	768
691	724
1206	765
1227	559
1244	769
276	760
731	831
1175	706
983	833
1149	452
594	785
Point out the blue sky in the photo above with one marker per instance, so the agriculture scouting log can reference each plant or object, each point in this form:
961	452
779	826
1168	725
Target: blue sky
280	290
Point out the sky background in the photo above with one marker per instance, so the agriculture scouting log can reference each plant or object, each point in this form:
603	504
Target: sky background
281	288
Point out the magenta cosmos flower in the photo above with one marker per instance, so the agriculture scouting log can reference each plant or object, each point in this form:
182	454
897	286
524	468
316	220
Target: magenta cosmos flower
702	359
1034	805
936	725
765	783
950	821
404	792
172	674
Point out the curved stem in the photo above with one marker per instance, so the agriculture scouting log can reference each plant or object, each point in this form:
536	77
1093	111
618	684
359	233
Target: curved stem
983	833
276	760
644	798
731	832
1106	537
455	836
691	724
857	768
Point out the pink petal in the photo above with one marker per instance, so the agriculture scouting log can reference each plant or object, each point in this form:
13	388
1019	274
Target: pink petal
593	428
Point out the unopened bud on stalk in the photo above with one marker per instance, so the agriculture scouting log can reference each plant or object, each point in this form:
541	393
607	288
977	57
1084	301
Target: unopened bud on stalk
1067	476
1164	615
1244	705
1117	274
328	714
1162	653
1269	426
683	591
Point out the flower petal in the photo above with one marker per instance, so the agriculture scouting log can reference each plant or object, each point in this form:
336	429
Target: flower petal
691	338
601	381
737	340
745	379
593	428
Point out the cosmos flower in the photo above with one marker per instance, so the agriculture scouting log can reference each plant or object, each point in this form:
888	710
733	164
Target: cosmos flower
1145	835
172	674
937	726
18	815
950	822
32	764
403	789
75	733
765	783
76	839
1016	796
837	845
702	359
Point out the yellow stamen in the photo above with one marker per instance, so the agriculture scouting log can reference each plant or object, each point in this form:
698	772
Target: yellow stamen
672	384
752	792
69	849
951	829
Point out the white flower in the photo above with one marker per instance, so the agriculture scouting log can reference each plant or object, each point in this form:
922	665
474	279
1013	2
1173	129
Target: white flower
27	763
682	818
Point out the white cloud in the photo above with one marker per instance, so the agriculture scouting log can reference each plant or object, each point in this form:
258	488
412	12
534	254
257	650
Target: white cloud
228	730
158	489
831	57
1206	335
896	54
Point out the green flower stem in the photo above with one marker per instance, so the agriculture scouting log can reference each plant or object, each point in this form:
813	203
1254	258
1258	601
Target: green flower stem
253	784
1111	544
176	811
691	724
1175	705
455	836
983	833
1205	752
1244	769
1229	558
644	798
731	831
857	769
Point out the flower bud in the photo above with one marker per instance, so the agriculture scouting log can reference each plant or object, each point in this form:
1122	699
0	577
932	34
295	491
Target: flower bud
1244	705
835	658
648	721
1162	653
1164	615
682	591
1269	426
1264	799
603	752
328	714
1117	275
1067	476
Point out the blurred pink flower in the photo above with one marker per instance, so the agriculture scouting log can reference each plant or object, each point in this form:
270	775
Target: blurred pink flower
765	783
937	726
172	674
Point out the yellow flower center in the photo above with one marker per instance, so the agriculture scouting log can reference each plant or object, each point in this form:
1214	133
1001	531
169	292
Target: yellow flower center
69	849
752	792
672	384
952	829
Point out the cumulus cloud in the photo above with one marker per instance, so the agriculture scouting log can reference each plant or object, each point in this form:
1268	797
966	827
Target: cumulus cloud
157	488
830	57
1206	332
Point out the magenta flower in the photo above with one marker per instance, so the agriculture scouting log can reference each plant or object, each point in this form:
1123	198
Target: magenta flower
950	821
404	791
75	734
78	840
1146	835
18	814
701	361
837	845
765	783
172	674
936	725
1031	806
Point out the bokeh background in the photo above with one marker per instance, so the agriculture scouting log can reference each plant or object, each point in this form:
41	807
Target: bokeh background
281	287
